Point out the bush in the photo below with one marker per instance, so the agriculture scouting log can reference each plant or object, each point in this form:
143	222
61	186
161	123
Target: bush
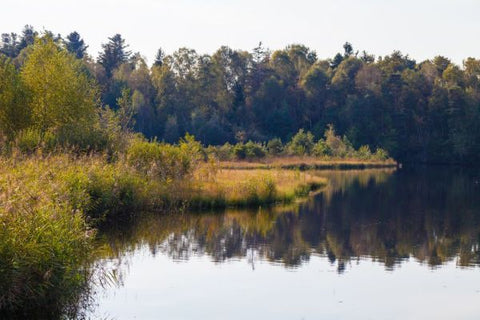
254	150
222	153
275	146
339	147
381	155
162	161
301	143
82	139
240	151
250	150
30	140
364	153
320	149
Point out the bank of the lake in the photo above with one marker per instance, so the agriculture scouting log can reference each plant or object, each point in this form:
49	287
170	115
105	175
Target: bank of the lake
51	205
310	163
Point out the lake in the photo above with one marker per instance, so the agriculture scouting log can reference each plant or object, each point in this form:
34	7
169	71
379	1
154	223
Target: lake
375	244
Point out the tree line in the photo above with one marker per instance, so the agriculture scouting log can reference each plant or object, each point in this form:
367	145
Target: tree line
418	112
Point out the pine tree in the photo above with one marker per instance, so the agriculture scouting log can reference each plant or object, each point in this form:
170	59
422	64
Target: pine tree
76	45
114	54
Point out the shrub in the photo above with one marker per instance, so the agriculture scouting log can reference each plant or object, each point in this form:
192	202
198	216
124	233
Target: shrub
275	146
364	153
223	152
339	147
254	150
301	143
29	140
381	154
60	92
320	149
240	151
250	150
162	161
191	153
82	139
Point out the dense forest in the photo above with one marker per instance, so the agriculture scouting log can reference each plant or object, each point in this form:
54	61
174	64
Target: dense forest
418	112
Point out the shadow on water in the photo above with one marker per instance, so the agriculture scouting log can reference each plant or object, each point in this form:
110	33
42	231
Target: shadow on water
431	215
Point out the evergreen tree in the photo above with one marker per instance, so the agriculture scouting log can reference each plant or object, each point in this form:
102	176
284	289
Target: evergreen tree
114	54
10	44
27	38
76	45
159	57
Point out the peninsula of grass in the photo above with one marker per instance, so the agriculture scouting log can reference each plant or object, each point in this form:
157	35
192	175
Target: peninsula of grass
251	188
308	163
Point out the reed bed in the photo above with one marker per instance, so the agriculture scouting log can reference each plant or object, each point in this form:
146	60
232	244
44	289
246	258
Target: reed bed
44	242
307	163
250	188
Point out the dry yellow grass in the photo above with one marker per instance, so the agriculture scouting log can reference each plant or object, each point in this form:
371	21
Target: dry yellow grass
237	187
293	162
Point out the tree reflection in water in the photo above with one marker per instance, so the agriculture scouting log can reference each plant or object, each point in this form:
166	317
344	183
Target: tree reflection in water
430	215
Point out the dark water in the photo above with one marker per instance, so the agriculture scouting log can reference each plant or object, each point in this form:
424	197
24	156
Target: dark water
376	244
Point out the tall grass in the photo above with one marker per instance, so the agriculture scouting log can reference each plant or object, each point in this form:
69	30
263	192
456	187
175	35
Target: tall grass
256	187
308	163
44	243
48	205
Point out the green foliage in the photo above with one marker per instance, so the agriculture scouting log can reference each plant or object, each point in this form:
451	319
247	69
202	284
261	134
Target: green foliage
301	143
81	140
43	242
250	150
239	151
76	45
424	111
14	112
163	161
364	153
224	152
254	150
114	54
30	140
381	154
192	151
111	134
275	146
126	111
109	192
321	149
338	147
260	191
61	94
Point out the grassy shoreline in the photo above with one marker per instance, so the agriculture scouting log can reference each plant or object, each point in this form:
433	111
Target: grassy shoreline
308	163
51	204
251	188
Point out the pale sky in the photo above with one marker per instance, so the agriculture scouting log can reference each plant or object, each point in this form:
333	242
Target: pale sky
420	28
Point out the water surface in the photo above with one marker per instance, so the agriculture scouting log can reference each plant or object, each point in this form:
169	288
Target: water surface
376	244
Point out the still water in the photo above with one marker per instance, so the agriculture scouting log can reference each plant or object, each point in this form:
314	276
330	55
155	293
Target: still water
375	244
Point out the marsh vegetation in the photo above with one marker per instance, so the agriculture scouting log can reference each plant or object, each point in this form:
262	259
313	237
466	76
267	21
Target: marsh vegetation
82	148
